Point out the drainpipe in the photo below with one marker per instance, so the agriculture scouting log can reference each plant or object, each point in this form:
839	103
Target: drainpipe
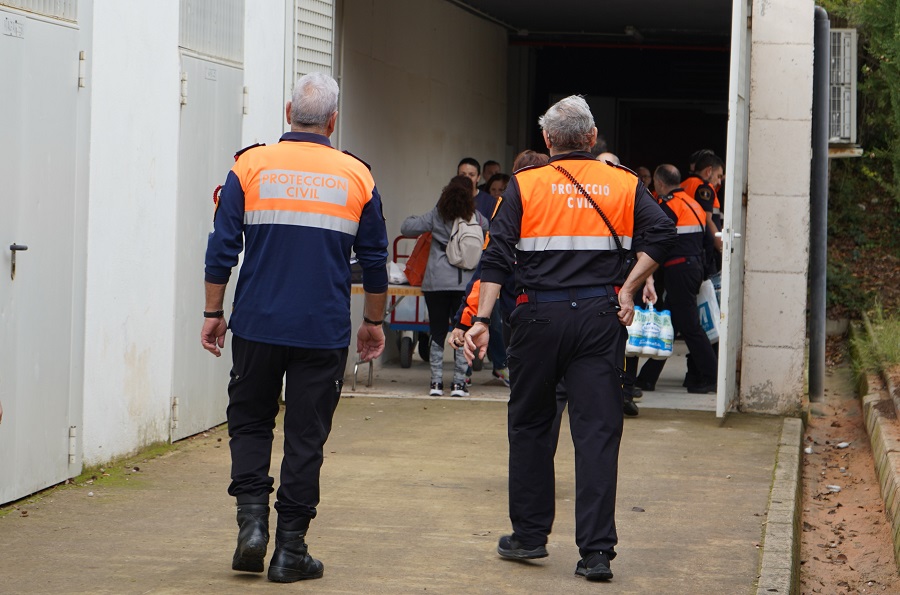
818	220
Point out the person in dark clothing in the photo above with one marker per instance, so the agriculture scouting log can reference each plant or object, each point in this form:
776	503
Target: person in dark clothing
291	315
679	279
565	230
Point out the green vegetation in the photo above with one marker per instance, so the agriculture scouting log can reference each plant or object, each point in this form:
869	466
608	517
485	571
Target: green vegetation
878	348
864	194
124	471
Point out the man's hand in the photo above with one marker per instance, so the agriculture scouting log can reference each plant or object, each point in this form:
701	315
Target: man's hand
476	342
649	294
626	308
369	341
212	336
457	338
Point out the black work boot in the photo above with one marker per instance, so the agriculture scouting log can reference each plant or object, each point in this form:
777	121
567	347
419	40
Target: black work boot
253	537
291	561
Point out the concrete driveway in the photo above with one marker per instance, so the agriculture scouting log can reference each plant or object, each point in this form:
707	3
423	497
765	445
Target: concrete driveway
413	501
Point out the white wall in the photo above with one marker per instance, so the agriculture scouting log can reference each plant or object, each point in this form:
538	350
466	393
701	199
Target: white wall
777	244
131	247
415	100
264	41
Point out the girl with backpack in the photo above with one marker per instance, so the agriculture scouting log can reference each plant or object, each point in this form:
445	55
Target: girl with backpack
444	284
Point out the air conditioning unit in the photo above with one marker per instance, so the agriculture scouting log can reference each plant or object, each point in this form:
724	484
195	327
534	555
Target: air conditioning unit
842	107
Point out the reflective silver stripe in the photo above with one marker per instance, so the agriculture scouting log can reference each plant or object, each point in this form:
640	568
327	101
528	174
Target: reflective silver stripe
572	243
716	211
301	219
689	229
302	185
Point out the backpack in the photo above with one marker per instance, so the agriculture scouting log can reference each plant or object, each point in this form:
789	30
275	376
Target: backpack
418	260
466	243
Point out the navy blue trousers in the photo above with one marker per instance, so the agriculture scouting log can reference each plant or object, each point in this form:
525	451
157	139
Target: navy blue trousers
313	382
584	342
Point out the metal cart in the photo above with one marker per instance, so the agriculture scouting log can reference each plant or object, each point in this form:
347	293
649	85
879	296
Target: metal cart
409	316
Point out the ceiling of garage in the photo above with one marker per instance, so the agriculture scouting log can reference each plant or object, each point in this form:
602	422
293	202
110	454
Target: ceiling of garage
681	22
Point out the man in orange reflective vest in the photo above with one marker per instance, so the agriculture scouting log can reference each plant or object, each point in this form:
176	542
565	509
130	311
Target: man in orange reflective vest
567	230
299	207
680	278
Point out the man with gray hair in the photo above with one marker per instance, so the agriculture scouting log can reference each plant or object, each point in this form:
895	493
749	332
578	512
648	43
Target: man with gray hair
297	209
567	230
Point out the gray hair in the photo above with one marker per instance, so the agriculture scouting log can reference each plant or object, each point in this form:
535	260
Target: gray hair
568	123
314	100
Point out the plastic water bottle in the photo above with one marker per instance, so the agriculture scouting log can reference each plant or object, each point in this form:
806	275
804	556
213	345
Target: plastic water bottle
635	345
666	335
650	333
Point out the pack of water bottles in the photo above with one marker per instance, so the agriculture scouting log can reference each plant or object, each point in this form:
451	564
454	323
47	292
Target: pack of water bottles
650	334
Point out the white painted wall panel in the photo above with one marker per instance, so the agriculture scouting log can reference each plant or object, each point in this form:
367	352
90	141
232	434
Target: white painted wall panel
130	291
264	64
414	100
66	10
778	149
314	34
213	28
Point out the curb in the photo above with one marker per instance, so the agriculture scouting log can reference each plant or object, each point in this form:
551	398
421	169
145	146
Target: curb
880	415
779	571
881	423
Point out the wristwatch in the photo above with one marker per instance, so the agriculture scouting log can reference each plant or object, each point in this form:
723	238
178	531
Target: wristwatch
482	319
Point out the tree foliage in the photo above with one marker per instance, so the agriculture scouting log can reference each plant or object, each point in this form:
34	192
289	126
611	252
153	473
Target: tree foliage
864	193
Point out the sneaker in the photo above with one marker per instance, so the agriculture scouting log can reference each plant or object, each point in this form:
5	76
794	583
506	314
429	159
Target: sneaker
437	389
511	549
459	389
503	375
594	567
630	408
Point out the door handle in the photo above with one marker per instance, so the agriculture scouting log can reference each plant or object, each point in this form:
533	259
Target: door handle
15	248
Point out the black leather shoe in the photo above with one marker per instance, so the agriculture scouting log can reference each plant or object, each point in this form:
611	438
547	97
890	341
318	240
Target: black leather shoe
291	561
691	380
594	567
636	393
702	389
630	408
512	549
645	386
253	537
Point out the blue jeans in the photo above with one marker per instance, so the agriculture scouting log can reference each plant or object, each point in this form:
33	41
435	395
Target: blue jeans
496	346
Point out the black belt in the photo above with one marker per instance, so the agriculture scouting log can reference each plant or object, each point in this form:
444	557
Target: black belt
565	295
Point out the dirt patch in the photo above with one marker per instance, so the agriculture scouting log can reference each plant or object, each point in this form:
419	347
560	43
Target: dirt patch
846	538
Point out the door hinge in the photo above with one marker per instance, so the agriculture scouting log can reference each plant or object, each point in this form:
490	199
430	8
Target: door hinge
174	413
183	88
81	69
246	100
73	444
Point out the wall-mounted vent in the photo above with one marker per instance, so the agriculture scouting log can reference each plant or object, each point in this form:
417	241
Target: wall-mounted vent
842	127
314	35
65	10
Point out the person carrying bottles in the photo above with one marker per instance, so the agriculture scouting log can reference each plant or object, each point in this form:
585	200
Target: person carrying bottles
679	279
